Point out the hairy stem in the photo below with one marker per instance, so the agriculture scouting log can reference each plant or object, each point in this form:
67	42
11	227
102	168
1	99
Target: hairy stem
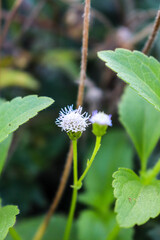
152	37
67	168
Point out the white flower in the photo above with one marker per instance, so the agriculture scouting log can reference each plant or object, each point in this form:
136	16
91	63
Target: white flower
72	120
101	118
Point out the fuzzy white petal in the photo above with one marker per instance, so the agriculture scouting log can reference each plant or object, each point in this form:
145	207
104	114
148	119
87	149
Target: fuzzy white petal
72	120
101	118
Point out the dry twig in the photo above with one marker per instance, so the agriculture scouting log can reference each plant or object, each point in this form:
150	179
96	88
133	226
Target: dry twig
152	37
68	164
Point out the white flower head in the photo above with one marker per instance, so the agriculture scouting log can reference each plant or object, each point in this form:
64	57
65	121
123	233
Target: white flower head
101	118
72	120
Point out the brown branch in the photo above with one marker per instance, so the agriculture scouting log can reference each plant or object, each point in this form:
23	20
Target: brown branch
68	164
152	37
57	198
141	34
9	21
84	52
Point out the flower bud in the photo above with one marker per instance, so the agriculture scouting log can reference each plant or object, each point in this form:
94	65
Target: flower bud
100	122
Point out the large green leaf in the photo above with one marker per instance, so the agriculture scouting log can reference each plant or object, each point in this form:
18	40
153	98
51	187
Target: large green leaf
18	111
4	147
135	68
55	230
116	151
7	219
93	226
142	122
136	201
12	77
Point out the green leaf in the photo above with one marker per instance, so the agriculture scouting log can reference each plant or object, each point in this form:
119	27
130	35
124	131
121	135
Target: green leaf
7	219
142	122
4	147
55	230
18	111
93	226
99	193
12	77
136	201
135	68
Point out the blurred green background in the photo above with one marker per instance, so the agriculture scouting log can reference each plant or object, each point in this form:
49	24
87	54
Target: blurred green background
41	55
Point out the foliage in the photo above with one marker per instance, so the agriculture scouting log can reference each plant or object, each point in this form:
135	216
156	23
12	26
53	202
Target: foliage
142	122
26	229
43	58
136	200
7	219
137	197
13	114
99	221
4	147
18	111
11	77
135	68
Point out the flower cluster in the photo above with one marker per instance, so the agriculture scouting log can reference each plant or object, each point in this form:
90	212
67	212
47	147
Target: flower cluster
74	122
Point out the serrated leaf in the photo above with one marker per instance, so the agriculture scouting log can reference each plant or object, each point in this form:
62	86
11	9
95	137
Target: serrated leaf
135	68
4	147
136	202
18	111
142	122
12	77
7	219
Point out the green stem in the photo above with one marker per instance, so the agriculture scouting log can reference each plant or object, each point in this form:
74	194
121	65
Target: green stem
143	165
14	234
114	233
74	195
155	170
89	163
152	173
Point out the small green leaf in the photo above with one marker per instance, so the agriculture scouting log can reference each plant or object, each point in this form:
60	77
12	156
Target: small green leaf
4	147
142	122
136	201
135	68
18	111
12	77
7	219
